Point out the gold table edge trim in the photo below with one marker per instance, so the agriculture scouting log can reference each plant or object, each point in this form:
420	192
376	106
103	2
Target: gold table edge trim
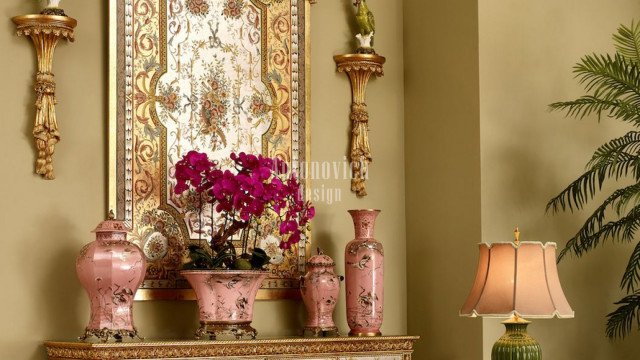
277	348
157	343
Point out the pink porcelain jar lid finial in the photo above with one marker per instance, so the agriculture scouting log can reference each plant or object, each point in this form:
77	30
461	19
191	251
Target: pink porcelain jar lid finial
111	225
321	260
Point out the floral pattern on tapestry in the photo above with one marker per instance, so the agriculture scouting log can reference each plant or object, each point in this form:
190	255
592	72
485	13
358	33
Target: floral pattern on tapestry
212	76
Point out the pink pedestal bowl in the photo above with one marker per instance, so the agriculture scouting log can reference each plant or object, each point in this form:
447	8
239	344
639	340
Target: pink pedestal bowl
225	301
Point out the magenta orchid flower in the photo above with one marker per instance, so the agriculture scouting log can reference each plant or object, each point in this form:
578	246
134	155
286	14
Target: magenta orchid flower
257	186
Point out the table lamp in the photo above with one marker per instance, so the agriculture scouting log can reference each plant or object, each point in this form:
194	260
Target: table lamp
517	280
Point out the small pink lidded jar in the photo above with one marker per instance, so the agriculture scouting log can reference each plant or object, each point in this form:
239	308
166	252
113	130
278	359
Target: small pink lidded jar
320	289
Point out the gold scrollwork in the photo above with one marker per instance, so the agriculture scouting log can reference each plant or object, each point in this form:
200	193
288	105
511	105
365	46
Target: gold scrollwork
310	347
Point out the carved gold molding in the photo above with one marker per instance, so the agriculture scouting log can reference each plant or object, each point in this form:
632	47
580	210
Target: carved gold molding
359	68
45	32
297	347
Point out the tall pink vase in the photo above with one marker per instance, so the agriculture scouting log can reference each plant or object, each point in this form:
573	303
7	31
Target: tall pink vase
225	301
364	268
110	269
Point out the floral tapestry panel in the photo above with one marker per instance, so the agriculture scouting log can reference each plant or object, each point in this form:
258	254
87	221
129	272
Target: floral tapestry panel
216	76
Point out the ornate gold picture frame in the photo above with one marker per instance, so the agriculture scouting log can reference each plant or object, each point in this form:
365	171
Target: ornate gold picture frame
217	76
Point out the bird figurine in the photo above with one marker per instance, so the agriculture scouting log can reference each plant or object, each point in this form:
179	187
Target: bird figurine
366	26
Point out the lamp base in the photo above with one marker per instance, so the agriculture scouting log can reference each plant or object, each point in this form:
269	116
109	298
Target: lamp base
516	344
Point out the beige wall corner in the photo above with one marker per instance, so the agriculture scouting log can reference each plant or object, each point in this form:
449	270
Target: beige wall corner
442	162
527	50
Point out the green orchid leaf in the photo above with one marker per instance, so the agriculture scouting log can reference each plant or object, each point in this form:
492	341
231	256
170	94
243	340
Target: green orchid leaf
259	258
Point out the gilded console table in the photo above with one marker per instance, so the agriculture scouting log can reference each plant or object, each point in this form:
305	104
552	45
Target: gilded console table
340	348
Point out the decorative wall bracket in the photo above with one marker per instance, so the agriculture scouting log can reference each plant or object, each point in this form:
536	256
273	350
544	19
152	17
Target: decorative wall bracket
45	31
359	68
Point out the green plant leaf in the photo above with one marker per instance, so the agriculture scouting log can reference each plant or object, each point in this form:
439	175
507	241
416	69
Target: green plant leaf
621	230
627	42
612	83
259	258
242	264
609	77
614	86
589	104
615	152
631	277
594	222
223	258
616	159
620	322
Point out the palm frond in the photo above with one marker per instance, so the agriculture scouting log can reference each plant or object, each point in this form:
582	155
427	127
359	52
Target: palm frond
628	197
588	104
619	158
595	222
615	159
609	77
612	84
617	150
631	277
627	42
574	196
622	230
620	322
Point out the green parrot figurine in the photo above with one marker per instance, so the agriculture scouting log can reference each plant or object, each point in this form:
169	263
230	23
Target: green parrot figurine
364	17
366	25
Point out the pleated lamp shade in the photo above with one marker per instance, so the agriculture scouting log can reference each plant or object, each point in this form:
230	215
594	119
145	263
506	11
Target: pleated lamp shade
517	279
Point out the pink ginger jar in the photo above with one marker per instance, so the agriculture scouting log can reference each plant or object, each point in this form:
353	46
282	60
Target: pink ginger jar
320	288
111	269
364	260
225	301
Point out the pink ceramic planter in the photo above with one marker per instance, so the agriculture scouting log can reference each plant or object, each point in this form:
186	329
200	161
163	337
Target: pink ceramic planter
110	269
320	289
364	259
225	301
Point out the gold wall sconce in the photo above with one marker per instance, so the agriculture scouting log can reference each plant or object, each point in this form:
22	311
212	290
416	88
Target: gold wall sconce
45	32
359	68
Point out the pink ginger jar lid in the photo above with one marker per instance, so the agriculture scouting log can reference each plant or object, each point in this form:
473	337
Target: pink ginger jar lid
111	225
320	260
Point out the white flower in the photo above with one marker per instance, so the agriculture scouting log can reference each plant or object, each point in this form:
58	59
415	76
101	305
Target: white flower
271	245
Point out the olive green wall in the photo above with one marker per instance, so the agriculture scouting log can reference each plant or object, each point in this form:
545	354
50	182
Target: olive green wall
442	174
527	50
475	83
45	223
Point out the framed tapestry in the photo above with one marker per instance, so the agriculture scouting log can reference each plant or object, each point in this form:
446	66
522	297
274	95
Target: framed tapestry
217	76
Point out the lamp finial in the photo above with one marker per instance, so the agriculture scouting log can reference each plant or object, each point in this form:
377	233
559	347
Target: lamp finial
516	234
